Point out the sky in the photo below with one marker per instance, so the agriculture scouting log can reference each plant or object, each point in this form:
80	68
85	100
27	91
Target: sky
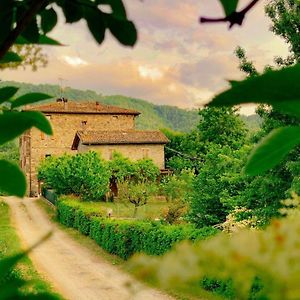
176	61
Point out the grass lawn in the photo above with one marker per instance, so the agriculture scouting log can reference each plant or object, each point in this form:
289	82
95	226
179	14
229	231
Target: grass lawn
10	245
152	210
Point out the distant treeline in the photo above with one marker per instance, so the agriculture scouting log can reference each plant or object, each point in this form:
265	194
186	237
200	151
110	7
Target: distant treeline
152	116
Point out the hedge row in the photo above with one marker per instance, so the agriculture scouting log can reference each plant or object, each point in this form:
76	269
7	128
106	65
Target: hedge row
124	237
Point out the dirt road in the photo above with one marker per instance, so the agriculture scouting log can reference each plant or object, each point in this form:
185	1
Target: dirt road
75	272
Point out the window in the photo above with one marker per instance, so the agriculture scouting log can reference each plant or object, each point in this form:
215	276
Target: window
145	152
111	152
47	155
83	123
115	117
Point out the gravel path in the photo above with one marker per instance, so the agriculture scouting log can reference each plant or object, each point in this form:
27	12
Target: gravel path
75	272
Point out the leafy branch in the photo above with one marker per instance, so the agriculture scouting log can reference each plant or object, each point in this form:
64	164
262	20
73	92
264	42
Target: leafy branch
232	16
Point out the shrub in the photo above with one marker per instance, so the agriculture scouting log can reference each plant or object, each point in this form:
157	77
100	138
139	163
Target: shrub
84	174
175	211
123	169
178	187
124	237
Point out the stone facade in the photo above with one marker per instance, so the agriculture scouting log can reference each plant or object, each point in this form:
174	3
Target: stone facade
133	152
66	120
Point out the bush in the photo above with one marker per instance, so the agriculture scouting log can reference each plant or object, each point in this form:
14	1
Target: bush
178	187
84	174
124	237
175	211
142	170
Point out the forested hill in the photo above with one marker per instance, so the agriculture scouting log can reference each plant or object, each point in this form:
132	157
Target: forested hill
152	116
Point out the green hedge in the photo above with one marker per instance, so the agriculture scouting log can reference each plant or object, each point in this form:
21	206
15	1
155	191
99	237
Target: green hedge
124	237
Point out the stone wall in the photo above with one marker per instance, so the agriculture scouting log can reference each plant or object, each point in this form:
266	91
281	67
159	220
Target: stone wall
35	145
133	152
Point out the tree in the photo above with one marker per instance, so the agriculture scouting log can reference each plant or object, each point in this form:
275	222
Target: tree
221	126
285	15
183	151
31	56
218	186
264	194
136	193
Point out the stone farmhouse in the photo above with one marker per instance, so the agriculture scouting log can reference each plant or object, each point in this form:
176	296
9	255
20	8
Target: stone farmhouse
83	126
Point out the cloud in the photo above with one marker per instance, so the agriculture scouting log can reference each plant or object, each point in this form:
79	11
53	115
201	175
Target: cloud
74	61
152	73
209	72
177	61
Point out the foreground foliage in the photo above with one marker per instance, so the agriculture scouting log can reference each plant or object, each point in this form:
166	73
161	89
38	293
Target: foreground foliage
272	255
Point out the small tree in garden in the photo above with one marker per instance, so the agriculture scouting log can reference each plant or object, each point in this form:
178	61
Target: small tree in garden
136	193
135	180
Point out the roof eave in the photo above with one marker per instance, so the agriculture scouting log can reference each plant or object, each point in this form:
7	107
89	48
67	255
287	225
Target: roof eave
83	112
122	143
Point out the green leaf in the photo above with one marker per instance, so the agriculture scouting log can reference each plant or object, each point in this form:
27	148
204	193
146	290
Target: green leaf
73	11
45	40
10	57
48	20
272	149
117	6
7	92
13	182
13	124
96	24
124	31
21	41
229	6
291	108
272	87
29	98
31	32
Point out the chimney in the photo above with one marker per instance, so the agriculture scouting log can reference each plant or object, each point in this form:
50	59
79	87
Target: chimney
97	105
65	100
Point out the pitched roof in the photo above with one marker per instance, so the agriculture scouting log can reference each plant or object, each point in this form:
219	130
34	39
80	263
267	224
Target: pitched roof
71	107
118	137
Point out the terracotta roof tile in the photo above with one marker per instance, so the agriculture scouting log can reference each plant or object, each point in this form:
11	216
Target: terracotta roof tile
119	137
72	107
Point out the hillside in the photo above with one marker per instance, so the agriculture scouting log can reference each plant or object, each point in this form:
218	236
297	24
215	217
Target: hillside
152	116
